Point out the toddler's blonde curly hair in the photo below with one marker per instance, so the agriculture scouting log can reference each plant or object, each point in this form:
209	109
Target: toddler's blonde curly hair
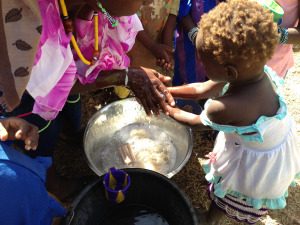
238	31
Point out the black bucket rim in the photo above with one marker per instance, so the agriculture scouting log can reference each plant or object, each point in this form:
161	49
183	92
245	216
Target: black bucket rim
71	211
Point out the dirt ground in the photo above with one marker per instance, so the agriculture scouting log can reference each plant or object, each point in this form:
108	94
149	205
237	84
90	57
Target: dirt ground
190	179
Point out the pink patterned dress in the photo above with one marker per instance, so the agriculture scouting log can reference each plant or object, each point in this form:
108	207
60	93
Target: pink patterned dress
57	67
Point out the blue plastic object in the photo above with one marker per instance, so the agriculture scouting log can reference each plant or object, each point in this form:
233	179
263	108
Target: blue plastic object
180	103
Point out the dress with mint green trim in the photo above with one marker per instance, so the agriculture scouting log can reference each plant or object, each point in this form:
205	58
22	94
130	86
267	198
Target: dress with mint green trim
258	167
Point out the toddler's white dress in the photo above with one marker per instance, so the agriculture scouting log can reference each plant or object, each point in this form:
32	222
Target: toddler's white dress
256	168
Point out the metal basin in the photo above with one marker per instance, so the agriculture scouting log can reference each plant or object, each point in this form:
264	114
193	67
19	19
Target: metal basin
158	143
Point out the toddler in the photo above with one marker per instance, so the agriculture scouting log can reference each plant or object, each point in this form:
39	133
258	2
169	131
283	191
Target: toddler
256	157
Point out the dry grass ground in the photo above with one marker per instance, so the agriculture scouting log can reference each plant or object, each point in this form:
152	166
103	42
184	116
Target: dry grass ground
71	163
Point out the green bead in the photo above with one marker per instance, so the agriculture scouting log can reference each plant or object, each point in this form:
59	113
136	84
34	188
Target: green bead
115	24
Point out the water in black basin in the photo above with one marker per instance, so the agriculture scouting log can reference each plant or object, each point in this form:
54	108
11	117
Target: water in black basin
134	215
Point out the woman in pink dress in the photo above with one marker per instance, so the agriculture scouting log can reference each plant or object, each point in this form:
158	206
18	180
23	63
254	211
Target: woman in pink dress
58	71
58	74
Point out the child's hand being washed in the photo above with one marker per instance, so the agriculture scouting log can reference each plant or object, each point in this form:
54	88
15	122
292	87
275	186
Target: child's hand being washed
187	119
14	128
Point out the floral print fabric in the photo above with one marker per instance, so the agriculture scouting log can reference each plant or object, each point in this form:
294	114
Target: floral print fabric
57	67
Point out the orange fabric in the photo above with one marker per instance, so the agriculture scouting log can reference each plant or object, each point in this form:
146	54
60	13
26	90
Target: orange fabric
153	17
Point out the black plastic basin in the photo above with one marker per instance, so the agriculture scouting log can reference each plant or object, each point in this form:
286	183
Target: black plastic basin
148	189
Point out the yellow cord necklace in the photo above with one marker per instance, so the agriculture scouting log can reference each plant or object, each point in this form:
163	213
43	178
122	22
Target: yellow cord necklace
68	24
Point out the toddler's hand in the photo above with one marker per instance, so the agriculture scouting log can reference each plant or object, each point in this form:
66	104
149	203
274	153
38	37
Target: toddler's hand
185	118
14	128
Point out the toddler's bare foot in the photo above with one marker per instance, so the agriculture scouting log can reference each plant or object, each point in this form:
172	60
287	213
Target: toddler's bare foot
203	219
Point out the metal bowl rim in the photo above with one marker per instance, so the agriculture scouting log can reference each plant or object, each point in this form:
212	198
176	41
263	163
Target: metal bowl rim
169	175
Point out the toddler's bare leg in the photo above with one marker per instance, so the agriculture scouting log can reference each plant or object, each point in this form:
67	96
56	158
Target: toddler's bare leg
214	214
211	217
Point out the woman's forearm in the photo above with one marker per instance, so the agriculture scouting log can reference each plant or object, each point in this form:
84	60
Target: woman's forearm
105	79
187	23
168	31
294	33
145	39
294	36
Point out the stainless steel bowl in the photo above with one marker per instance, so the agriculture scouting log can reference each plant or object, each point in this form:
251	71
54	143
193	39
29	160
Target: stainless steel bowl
159	143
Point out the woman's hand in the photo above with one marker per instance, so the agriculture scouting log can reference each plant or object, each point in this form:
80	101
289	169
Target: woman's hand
14	128
147	86
187	119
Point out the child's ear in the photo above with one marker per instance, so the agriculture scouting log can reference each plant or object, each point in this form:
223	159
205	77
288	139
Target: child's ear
231	72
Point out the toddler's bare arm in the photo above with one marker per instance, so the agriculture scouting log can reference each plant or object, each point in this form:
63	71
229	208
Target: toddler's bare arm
197	90
187	119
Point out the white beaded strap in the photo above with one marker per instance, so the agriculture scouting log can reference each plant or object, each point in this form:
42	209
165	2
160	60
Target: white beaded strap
126	77
193	34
